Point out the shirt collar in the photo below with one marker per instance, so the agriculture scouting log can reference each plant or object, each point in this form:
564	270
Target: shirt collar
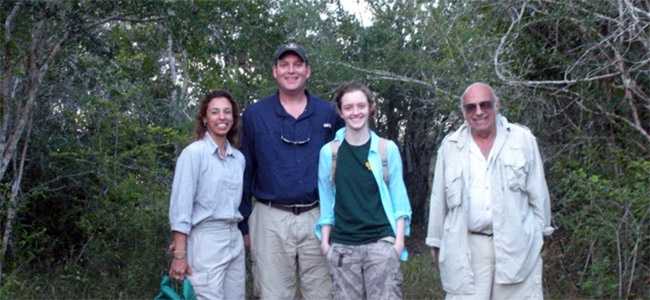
214	147
374	138
279	110
463	133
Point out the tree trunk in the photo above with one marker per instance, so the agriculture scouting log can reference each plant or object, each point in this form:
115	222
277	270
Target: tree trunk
13	199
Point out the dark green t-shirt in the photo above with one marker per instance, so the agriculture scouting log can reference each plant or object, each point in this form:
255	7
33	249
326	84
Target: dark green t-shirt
358	213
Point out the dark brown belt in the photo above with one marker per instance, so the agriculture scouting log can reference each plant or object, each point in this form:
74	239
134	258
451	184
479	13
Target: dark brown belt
480	233
296	209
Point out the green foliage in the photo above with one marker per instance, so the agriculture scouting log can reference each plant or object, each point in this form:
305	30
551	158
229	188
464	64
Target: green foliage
109	220
596	153
603	225
115	107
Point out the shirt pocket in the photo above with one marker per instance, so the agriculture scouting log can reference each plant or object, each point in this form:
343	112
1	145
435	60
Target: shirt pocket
229	185
453	187
515	169
230	191
199	279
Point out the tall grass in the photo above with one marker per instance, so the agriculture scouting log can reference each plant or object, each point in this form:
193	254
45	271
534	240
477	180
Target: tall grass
421	280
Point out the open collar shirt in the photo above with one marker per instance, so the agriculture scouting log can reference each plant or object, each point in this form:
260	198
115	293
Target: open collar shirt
207	186
282	151
479	213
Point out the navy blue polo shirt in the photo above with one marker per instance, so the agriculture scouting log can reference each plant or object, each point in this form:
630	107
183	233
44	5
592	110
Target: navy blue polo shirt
282	152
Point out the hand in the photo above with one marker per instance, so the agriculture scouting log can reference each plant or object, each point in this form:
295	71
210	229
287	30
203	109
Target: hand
179	269
398	247
435	252
247	242
324	247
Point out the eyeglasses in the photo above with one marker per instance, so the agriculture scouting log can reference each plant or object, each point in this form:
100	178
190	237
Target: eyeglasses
294	141
485	105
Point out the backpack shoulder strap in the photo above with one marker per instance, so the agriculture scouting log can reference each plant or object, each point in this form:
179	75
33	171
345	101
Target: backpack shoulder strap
335	149
384	159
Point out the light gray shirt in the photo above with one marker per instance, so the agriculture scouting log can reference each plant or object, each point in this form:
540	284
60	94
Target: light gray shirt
207	187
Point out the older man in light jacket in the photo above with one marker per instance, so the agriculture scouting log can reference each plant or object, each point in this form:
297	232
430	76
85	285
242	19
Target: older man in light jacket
490	206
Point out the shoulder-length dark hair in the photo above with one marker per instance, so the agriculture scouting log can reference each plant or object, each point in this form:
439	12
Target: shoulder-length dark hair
233	133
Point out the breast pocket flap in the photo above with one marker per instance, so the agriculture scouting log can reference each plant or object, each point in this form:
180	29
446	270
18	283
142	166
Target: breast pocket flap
454	187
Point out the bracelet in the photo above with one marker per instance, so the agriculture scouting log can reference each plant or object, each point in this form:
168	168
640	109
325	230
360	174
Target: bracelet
179	251
180	257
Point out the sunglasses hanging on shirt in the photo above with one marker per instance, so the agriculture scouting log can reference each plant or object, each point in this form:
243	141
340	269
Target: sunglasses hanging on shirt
295	140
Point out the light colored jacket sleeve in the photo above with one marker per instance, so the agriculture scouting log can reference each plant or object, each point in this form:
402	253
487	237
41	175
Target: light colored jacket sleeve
438	204
397	188
538	196
326	190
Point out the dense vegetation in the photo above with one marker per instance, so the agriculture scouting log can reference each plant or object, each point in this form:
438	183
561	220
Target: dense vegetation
97	100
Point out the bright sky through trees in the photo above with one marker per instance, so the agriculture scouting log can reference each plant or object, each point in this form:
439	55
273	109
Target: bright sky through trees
360	9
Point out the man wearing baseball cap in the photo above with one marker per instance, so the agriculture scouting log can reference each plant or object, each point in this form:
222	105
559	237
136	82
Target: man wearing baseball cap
282	137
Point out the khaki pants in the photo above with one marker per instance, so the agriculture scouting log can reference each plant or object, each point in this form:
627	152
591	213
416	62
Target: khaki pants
483	268
369	271
216	256
282	244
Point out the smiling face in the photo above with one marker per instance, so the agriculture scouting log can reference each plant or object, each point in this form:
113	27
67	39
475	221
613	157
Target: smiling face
355	110
291	73
480	109
218	118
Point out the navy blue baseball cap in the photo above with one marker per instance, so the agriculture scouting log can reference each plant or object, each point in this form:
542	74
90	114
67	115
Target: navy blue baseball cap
291	47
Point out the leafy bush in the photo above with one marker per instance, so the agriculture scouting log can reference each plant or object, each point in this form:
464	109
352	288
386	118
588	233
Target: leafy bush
600	249
105	230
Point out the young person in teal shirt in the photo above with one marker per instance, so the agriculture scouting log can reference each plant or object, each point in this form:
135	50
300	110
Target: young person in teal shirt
364	216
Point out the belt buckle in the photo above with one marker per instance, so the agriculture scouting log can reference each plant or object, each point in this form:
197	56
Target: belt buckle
295	210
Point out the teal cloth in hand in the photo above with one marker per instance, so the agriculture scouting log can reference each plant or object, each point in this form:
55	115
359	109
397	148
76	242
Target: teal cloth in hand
167	291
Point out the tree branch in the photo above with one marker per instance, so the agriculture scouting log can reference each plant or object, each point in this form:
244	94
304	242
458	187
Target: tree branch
7	76
497	54
13	198
122	17
382	74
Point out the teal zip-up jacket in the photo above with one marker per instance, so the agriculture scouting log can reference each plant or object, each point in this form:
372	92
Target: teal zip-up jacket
394	198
